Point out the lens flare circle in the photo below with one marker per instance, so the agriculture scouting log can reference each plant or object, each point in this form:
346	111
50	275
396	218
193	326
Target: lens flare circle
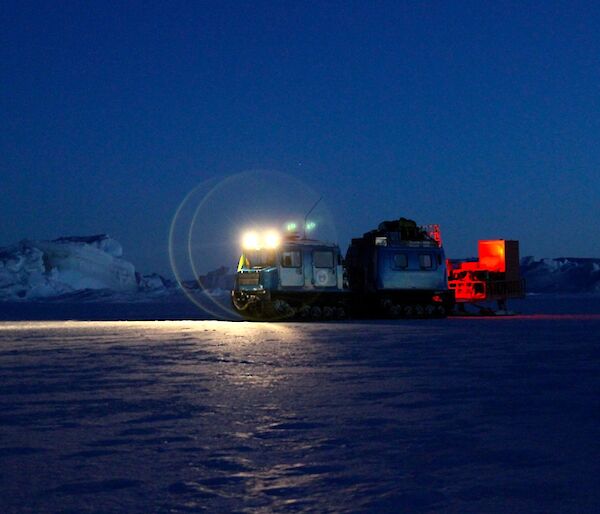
178	236
218	218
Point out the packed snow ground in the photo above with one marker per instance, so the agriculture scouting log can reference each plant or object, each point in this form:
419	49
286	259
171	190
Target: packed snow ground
456	415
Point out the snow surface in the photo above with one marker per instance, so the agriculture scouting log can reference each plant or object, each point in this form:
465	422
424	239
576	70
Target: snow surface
457	415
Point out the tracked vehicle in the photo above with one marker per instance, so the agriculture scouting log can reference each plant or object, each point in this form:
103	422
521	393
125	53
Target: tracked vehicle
399	270
289	277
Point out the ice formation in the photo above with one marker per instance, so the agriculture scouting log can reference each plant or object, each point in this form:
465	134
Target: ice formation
42	269
561	275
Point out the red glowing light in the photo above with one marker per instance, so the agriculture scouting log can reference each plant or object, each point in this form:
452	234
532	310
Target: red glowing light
494	275
492	255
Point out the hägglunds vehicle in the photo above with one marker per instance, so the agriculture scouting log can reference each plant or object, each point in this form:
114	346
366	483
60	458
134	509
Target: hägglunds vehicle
397	270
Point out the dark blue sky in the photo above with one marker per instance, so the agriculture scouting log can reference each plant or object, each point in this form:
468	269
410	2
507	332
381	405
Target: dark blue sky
483	117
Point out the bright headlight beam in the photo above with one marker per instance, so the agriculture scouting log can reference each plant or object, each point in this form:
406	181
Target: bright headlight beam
272	239
250	241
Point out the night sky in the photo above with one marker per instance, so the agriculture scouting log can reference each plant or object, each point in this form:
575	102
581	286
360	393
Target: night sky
482	117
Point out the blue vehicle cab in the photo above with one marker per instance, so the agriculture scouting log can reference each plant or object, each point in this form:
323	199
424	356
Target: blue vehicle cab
399	269
284	277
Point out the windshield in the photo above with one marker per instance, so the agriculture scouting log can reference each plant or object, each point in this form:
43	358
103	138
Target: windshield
260	258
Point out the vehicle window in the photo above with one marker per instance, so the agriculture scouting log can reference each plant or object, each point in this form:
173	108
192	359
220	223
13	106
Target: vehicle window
260	258
425	261
323	259
400	260
291	259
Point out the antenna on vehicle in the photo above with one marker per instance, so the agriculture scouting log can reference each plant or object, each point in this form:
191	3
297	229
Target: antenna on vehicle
308	213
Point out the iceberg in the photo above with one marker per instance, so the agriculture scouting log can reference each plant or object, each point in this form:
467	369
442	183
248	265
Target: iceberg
561	275
44	269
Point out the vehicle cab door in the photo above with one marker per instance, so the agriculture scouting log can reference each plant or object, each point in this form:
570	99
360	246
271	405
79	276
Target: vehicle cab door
291	272
324	269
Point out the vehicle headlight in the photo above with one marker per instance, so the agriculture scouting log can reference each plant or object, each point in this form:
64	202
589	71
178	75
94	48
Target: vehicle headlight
272	239
250	241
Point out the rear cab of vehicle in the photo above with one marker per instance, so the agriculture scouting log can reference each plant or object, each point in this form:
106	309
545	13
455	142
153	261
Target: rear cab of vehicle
402	268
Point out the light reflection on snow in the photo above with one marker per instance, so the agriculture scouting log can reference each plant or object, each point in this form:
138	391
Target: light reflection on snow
251	329
228	327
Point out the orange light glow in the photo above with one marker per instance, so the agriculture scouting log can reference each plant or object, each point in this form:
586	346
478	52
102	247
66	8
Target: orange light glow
495	274
492	255
467	290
